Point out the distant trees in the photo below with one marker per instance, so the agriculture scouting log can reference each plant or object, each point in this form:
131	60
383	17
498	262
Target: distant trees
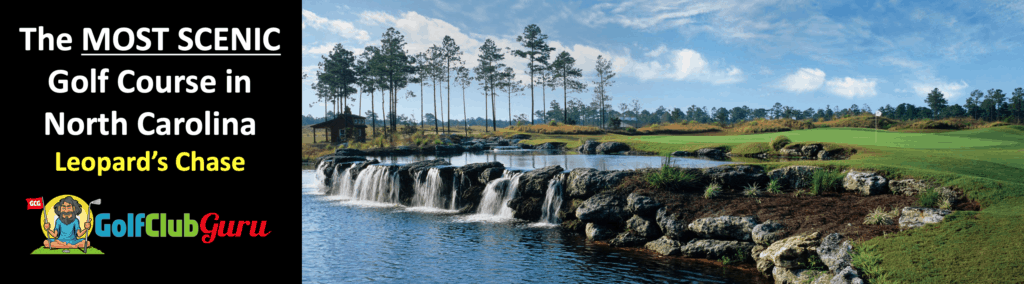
537	51
488	74
604	80
566	75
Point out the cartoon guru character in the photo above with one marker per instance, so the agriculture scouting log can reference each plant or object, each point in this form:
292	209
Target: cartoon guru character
68	230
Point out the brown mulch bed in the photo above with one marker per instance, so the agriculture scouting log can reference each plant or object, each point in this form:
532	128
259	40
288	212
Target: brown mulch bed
831	212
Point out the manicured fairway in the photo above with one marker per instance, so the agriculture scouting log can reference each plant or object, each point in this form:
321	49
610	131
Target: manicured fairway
979	138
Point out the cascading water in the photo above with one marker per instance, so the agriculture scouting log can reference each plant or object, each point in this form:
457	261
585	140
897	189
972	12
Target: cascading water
321	177
498	193
343	182
375	183
553	199
428	189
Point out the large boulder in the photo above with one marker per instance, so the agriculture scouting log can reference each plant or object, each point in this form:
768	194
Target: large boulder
800	276
664	246
908	187
449	148
520	136
611	148
835	251
811	150
585	182
714	249
597	232
628	239
550	146
487	175
526	207
469	175
793	251
349	152
724	227
736	176
588	147
681	153
768	232
764	265
535	183
603	208
790	152
848	275
642	205
913	217
643	227
793	176
867	183
671	226
710	152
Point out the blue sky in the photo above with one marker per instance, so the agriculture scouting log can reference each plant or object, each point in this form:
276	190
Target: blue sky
708	53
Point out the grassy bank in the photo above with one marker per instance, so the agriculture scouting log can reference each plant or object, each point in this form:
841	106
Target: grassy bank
986	164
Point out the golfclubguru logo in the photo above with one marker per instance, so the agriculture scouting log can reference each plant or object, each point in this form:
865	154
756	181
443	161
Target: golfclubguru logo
67	221
159	225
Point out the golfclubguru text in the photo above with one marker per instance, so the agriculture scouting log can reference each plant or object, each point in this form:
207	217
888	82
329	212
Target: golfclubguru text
158	225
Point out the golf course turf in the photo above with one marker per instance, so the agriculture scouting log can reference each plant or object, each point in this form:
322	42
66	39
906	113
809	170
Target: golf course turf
986	164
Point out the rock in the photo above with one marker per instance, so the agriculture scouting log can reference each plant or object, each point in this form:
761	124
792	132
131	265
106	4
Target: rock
526	208
834	251
764	265
724	227
585	182
947	194
664	246
908	187
597	232
588	147
792	251
793	176
714	249
767	233
535	183
643	227
551	146
603	207
490	174
469	175
712	152
524	146
848	275
448	148
811	150
790	152
867	183
671	226
800	276
642	205
423	165
520	136
680	153
628	239
913	217
736	177
350	152
611	148
825	155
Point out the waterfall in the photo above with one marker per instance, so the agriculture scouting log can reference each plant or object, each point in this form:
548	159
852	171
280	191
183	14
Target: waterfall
553	199
343	182
321	178
498	193
375	183
455	191
428	189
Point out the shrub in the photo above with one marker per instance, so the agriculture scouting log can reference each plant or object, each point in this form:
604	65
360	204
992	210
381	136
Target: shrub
826	180
712	191
553	123
929	198
779	141
774	187
667	176
945	204
881	217
751	190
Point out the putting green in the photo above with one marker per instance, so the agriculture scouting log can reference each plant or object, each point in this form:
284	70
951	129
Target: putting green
44	250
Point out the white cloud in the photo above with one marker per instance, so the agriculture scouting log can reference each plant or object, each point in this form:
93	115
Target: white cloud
950	90
657	52
321	49
804	80
852	88
375	17
342	28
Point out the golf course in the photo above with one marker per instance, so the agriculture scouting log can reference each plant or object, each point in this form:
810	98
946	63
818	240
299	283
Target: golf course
985	164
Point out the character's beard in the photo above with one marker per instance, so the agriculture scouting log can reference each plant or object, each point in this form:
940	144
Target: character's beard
67	220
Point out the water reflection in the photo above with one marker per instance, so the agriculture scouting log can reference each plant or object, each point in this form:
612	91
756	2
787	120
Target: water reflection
533	159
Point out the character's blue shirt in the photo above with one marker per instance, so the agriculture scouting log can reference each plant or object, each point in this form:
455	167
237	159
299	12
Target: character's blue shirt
67	232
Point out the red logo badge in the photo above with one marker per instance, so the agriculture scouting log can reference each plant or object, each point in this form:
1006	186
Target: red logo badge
35	203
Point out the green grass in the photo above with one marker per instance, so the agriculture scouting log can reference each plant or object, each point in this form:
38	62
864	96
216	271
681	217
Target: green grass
712	191
44	250
826	180
668	175
987	164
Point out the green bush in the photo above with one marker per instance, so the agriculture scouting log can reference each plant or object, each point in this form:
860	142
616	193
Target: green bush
929	198
751	190
881	217
779	141
826	180
712	191
553	123
668	176
774	187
